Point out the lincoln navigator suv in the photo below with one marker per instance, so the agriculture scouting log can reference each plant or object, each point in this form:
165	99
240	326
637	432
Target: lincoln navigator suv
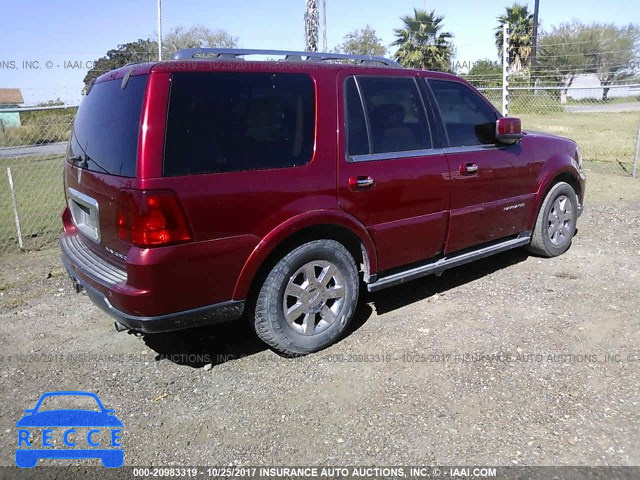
213	187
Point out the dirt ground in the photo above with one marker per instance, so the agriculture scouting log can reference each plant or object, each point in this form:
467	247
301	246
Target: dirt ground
513	360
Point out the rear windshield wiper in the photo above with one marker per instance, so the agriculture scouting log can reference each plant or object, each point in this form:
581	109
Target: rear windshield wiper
78	161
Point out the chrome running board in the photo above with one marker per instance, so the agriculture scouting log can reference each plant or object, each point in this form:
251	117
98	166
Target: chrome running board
451	261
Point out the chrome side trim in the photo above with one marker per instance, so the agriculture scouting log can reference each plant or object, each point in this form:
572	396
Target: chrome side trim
471	148
85	260
445	263
395	155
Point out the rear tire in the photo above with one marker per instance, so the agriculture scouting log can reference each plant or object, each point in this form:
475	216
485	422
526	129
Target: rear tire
556	222
308	299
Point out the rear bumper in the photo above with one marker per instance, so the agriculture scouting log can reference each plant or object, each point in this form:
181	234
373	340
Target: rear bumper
104	284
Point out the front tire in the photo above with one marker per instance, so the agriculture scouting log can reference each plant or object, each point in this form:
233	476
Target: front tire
308	299
556	222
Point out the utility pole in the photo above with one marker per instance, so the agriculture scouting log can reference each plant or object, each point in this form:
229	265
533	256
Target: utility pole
534	42
160	30
311	26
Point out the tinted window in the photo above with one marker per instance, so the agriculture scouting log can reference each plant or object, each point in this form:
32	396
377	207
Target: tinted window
357	138
396	115
469	120
105	131
222	122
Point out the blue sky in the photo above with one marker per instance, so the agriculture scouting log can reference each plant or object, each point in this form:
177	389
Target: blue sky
81	31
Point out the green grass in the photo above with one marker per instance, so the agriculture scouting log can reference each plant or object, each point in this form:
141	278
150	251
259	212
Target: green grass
39	127
607	140
39	195
598	101
34	135
37	180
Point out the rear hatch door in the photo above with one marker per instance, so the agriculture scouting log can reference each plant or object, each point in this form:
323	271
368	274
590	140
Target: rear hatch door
102	159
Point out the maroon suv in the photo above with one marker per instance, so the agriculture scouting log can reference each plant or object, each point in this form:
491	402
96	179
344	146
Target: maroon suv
211	187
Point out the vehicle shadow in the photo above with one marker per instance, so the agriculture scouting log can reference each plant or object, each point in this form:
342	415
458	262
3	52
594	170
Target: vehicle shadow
230	341
213	345
221	343
399	296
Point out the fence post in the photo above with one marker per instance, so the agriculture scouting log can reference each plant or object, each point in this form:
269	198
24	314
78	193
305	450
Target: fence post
505	69
635	158
15	208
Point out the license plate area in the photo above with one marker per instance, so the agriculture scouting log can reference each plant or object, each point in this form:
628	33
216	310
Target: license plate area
85	213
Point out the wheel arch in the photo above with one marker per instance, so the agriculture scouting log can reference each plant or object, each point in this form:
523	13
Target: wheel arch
568	175
299	230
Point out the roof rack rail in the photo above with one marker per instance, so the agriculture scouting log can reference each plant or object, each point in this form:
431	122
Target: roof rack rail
231	53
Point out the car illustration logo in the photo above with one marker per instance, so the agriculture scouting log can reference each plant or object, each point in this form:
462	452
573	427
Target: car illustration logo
90	433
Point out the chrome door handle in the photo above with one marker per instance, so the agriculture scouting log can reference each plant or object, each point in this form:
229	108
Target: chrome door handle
365	182
361	182
468	168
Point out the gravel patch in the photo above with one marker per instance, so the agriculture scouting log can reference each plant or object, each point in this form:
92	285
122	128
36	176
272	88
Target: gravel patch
513	360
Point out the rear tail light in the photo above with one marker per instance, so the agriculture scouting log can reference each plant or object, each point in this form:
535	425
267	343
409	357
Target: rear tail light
151	218
67	221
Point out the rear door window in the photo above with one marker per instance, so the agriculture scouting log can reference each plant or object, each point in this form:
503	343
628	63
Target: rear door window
224	122
106	128
396	115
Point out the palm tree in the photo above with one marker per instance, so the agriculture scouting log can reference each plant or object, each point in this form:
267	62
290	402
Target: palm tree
520	22
311	25
421	42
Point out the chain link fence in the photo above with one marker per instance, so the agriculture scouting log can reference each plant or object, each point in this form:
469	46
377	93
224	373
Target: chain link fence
33	143
32	148
606	125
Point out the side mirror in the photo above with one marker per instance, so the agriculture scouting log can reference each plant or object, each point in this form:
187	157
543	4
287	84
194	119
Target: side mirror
508	130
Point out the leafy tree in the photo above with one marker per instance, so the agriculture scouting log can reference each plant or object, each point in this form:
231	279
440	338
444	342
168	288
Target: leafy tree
520	22
362	42
51	103
146	50
197	36
486	73
574	49
616	47
132	52
422	43
563	53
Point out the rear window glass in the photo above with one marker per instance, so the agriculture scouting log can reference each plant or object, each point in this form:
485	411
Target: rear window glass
223	122
106	128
